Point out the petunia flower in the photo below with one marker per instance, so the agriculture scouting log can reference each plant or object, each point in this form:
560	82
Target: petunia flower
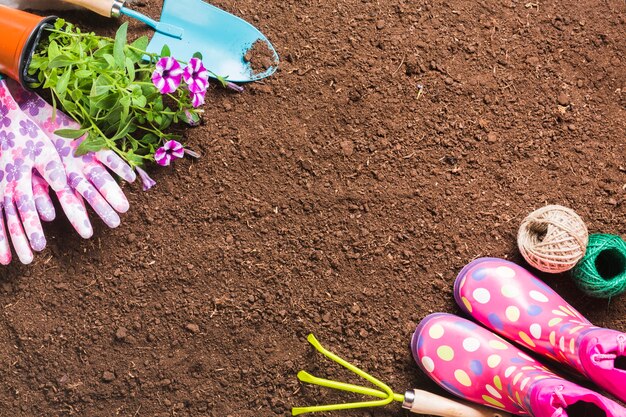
234	86
167	75
196	76
197	99
168	152
145	179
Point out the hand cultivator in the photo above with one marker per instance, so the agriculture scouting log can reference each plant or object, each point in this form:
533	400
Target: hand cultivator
417	401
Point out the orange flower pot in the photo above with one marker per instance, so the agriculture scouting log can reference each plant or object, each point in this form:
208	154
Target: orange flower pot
21	32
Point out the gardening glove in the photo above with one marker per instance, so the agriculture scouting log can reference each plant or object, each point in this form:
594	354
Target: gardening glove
23	147
87	175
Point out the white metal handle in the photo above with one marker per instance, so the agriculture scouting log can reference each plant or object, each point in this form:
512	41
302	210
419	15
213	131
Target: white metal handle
424	402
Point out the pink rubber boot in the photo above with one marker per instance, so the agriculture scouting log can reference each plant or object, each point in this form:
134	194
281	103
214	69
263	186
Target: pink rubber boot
477	365
509	300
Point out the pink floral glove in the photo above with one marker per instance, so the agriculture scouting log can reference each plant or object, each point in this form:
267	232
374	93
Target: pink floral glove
23	147
86	175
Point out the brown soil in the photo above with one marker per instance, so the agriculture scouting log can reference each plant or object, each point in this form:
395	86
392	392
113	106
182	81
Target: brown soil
260	57
330	199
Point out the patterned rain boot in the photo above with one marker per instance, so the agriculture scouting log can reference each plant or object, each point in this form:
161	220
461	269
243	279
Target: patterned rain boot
477	365
510	301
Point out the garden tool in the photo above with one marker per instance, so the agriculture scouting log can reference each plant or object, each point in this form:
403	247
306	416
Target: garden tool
188	27
417	401
478	365
512	302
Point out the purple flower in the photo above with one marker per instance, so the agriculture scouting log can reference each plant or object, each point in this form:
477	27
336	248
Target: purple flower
196	76
37	241
4	119
98	176
32	149
167	75
234	86
55	171
62	148
168	152
33	105
197	99
14	171
28	128
145	179
25	203
6	140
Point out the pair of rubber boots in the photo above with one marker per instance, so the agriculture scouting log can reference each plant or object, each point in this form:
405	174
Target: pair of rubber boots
479	365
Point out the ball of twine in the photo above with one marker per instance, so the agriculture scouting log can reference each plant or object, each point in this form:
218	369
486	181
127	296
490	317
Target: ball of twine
602	272
552	239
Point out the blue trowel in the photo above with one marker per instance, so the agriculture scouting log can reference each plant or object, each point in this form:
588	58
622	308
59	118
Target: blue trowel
190	26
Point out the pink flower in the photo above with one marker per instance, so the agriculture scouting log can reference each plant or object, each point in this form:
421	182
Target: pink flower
168	152
234	86
167	75
145	179
197	99
196	76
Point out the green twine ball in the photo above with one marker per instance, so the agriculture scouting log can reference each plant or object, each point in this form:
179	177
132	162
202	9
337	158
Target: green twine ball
601	272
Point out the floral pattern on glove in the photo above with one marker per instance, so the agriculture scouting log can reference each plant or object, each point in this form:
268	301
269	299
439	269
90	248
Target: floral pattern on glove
24	150
87	175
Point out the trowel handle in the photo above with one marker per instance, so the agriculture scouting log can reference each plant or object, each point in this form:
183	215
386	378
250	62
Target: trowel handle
423	402
107	8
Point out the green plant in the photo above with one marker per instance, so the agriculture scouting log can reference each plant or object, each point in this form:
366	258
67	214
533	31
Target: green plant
105	85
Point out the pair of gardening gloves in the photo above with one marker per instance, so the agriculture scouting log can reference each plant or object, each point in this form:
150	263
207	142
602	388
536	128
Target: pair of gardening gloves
33	158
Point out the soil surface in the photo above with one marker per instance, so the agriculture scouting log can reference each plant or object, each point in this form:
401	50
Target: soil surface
331	198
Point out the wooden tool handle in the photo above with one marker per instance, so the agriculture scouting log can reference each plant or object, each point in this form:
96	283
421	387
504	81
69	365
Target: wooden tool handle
102	7
424	402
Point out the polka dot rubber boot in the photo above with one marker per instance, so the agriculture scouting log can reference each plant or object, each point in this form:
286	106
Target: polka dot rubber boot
478	365
512	302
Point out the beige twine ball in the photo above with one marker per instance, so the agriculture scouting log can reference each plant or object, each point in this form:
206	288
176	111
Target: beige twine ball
553	239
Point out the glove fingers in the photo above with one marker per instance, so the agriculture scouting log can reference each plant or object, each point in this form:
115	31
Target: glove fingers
97	202
74	208
5	249
43	202
116	164
20	242
108	188
28	214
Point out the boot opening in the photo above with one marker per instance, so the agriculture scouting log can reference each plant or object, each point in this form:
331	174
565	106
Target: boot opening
620	363
584	409
610	263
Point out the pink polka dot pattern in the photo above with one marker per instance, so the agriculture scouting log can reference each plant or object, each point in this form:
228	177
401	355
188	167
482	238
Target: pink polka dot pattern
471	362
525	310
475	364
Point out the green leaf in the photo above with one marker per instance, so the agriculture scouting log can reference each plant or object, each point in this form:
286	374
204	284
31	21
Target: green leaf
140	101
53	50
165	51
100	86
110	60
198	55
61	61
130	69
125	103
84	73
118	47
70	133
141	43
92	143
62	83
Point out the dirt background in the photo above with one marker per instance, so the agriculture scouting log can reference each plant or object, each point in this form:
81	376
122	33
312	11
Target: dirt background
331	198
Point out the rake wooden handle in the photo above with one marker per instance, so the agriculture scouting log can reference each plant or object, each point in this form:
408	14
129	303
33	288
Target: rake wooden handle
424	402
107	8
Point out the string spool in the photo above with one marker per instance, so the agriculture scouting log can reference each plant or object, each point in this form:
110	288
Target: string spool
602	271
552	239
